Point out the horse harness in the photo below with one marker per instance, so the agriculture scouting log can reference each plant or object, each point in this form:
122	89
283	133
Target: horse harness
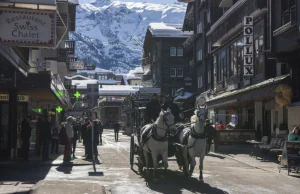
194	135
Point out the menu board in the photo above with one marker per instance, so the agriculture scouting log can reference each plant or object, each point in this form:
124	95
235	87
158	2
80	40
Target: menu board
293	153
236	135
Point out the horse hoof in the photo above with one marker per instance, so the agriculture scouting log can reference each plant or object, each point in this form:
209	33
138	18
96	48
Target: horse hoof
201	179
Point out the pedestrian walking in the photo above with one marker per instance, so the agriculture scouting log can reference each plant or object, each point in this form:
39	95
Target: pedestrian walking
153	109
211	133
54	134
96	138
39	126
76	129
45	136
84	131
70	135
116	129
25	135
100	131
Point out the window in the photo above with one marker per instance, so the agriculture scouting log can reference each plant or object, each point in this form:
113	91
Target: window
199	55
174	90
180	51
209	77
199	28
288	13
208	17
209	47
179	72
200	82
173	72
258	49
173	51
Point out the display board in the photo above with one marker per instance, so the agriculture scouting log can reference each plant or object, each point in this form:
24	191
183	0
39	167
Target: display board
293	153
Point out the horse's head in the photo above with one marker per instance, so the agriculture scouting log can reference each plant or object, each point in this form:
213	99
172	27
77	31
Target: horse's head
168	120
201	113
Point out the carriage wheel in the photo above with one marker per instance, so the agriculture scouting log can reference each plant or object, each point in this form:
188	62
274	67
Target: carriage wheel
131	151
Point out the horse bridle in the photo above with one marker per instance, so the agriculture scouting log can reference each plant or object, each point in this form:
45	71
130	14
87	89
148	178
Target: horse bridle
165	120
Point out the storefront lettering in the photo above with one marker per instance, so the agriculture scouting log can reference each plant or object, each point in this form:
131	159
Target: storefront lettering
248	48
21	98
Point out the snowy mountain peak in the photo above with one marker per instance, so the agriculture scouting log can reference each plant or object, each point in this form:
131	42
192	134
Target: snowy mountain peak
111	33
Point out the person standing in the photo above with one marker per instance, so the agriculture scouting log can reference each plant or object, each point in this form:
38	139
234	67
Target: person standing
175	110
76	128
100	131
38	146
54	134
84	132
70	135
153	109
211	133
25	135
45	136
116	129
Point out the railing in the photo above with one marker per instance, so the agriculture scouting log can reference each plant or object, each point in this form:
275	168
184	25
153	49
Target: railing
289	15
70	46
64	17
189	42
233	17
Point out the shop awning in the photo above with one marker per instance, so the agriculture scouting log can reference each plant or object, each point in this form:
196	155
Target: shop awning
254	92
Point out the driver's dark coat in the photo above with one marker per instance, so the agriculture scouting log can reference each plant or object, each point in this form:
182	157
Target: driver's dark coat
175	110
152	110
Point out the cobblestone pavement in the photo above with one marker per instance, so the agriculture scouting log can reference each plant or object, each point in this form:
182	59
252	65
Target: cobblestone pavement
221	175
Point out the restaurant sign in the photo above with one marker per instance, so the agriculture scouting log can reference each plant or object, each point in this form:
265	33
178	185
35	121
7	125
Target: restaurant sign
21	98
27	27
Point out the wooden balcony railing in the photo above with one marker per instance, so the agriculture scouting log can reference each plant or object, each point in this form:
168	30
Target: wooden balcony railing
70	46
189	42
233	17
64	17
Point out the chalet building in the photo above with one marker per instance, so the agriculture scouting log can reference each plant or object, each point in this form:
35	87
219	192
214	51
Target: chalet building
241	61
33	64
163	53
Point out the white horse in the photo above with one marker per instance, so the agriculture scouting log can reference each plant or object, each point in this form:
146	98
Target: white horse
196	142
157	141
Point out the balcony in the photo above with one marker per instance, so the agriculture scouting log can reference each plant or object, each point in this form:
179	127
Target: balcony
188	44
64	17
288	20
70	46
146	61
232	20
62	55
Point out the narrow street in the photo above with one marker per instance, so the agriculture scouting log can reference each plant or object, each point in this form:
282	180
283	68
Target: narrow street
221	175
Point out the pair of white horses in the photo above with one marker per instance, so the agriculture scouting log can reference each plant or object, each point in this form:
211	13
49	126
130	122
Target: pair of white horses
164	124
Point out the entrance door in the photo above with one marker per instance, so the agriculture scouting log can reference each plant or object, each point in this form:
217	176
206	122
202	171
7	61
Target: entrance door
267	123
4	149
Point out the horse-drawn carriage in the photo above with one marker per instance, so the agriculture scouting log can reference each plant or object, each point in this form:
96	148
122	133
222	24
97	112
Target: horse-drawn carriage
163	139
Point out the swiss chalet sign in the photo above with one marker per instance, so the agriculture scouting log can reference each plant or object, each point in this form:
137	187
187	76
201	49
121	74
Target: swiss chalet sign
27	27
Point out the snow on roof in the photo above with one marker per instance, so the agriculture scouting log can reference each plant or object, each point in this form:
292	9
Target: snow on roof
82	84
125	80
167	30
117	90
97	70
77	76
184	96
110	81
74	2
147	72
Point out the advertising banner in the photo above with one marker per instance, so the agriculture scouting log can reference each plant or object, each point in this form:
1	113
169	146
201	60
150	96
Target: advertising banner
27	27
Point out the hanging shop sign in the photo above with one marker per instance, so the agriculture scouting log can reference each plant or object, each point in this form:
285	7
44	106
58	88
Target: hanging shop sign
21	98
76	65
27	27
248	47
284	94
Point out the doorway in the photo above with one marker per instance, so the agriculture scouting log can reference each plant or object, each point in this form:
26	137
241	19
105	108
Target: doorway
267	123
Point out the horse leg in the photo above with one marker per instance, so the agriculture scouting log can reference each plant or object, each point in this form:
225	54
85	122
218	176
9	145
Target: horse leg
193	161
147	162
201	159
154	158
185	160
165	160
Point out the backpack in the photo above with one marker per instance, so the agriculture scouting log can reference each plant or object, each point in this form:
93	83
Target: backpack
63	138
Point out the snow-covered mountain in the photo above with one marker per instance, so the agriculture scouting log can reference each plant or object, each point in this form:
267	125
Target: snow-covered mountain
111	33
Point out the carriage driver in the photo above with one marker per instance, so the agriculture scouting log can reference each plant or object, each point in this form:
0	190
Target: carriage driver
152	109
175	110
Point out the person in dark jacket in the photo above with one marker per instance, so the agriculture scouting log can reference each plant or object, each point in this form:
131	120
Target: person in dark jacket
84	134
38	138
96	137
210	133
116	129
153	109
100	125
45	135
76	129
25	135
175	110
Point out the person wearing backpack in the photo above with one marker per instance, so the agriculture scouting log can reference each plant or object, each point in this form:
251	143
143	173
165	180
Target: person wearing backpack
54	133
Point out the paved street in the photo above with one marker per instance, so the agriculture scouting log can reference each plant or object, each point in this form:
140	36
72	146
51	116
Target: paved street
221	175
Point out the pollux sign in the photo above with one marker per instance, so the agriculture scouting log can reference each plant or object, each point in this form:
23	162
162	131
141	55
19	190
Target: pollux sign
248	47
27	27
